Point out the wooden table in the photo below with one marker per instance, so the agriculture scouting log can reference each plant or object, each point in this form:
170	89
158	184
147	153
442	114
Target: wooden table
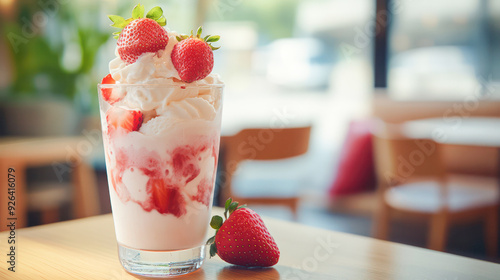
86	249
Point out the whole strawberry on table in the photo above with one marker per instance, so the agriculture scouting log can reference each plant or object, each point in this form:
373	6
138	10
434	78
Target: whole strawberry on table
242	239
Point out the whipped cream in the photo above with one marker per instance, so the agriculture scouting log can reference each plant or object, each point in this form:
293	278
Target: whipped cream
163	94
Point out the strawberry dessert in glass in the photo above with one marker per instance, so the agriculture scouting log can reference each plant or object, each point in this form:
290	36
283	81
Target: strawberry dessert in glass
160	114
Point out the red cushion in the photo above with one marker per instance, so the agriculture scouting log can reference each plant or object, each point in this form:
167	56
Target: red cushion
356	172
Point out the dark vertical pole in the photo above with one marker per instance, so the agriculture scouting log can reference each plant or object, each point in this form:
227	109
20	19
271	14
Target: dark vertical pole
484	45
381	43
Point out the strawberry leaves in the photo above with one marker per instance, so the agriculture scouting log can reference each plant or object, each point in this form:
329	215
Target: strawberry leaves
216	222
138	11
226	206
213	38
207	39
119	21
155	14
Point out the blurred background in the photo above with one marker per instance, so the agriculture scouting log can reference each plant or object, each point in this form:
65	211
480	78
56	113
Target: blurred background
327	73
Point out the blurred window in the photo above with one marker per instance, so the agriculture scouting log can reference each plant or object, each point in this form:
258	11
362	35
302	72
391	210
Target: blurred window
444	49
303	45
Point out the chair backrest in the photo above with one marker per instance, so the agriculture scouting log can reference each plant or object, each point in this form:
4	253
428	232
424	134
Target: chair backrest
261	144
399	159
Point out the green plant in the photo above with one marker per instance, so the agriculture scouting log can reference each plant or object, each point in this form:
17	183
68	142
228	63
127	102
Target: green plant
39	62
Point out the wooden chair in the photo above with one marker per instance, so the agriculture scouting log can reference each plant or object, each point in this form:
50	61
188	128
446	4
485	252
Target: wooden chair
261	144
22	153
413	181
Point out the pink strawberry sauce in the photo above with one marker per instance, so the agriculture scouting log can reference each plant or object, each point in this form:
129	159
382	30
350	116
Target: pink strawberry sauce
167	177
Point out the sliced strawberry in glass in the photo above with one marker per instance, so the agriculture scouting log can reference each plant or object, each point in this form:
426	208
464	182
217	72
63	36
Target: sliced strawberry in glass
129	120
107	93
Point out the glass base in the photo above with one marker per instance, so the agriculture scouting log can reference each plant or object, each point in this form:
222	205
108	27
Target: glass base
161	263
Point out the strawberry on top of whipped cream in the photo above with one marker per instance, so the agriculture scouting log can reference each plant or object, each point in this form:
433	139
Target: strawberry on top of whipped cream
182	101
154	68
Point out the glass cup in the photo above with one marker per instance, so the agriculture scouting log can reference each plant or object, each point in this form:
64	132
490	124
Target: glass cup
161	175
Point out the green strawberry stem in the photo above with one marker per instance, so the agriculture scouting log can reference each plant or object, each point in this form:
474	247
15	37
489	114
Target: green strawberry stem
217	221
155	14
226	207
207	39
